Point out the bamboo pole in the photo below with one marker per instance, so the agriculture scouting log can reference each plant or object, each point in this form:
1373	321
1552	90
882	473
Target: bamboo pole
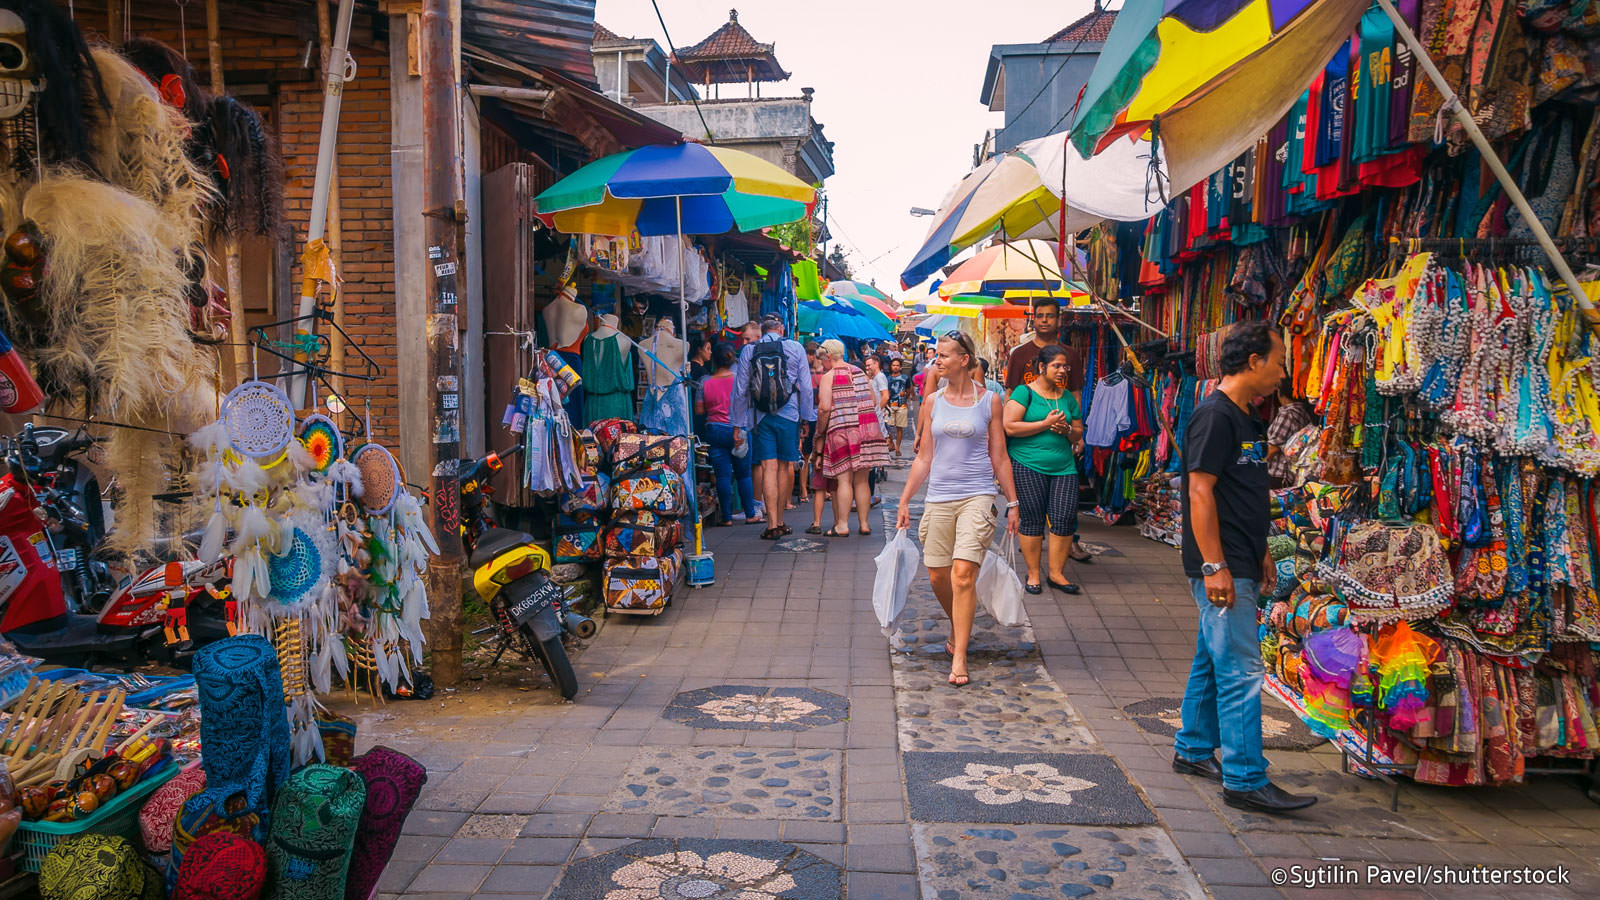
231	254
1591	316
335	223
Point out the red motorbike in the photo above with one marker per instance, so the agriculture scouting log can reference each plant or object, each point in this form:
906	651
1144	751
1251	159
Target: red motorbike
174	609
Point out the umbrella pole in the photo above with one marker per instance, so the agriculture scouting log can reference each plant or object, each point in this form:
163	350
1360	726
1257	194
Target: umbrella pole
1591	316
683	377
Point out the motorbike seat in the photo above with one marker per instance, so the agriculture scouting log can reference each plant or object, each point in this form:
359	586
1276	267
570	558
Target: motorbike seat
496	541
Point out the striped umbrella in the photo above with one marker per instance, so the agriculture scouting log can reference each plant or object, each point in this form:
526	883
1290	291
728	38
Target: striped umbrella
719	189
1016	266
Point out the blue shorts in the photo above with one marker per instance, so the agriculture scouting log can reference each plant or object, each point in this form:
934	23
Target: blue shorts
776	438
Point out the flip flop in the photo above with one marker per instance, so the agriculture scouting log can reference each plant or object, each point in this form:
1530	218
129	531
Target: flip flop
836	534
772	534
963	681
813	529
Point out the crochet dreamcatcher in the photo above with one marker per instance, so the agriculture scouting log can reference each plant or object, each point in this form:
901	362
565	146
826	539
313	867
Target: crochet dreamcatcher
396	550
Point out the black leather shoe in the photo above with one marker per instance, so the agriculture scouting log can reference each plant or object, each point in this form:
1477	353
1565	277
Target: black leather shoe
1269	798
1207	768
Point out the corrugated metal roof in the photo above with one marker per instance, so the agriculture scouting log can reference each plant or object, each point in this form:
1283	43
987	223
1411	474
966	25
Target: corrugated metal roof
546	34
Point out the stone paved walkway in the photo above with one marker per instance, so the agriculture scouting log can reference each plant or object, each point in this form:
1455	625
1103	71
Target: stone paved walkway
759	738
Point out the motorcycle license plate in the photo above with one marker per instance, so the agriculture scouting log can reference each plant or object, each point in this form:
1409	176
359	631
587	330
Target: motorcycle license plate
522	610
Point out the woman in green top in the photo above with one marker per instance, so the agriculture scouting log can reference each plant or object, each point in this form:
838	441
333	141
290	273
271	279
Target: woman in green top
1044	429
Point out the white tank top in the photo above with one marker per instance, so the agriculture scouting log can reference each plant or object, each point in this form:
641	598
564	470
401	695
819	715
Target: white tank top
961	465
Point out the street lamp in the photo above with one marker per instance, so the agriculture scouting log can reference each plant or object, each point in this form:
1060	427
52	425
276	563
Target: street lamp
919	211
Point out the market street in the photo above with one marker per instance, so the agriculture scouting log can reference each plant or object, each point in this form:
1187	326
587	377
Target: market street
766	716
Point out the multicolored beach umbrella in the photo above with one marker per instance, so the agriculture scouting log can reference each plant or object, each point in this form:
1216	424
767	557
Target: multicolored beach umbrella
721	190
1206	78
1026	266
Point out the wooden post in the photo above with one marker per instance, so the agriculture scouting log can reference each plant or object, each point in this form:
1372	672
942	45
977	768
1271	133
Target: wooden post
114	24
335	223
239	333
444	212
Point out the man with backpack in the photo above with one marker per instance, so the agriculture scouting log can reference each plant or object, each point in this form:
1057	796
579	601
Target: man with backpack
772	397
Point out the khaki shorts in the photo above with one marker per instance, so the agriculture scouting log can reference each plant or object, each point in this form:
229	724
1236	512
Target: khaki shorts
897	417
957	529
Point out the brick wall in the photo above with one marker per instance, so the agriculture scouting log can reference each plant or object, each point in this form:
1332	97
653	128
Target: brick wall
295	112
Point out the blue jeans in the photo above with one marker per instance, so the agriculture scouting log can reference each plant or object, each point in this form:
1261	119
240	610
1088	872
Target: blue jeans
729	469
1222	705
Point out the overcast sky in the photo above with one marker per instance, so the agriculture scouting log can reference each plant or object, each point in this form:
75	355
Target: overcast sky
897	85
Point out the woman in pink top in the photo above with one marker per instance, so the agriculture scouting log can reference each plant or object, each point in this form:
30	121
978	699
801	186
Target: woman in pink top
716	397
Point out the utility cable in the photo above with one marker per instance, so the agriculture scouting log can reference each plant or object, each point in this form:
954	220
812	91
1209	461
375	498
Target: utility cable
1044	86
694	95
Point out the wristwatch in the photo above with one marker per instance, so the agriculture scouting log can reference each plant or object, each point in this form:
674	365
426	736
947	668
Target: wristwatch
1209	569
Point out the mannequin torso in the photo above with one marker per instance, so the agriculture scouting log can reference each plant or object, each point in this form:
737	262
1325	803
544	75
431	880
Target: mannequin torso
670	350
608	330
566	322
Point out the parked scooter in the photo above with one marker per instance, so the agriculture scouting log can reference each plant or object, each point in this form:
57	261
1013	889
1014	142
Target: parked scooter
511	575
68	492
33	608
173	610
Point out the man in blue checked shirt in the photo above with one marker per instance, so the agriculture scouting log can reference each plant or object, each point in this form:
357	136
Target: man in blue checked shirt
775	443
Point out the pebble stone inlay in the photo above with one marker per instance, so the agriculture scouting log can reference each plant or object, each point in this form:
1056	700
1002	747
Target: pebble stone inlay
757	708
1037	861
1012	704
731	783
701	869
1280	729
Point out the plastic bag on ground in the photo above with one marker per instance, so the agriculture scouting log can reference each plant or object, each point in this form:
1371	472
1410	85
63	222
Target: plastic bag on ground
999	588
897	566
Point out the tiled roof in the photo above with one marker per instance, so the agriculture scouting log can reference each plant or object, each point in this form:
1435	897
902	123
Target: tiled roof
1091	29
730	55
730	41
604	35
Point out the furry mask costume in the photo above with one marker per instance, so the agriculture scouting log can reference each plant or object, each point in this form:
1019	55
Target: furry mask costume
109	202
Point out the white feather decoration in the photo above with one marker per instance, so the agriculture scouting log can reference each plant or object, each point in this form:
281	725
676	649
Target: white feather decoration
215	537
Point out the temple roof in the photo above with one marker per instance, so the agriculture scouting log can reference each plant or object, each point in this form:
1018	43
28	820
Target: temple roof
1091	29
730	56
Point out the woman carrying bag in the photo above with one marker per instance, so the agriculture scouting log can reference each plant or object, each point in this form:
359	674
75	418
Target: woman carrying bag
1043	431
962	457
853	440
730	445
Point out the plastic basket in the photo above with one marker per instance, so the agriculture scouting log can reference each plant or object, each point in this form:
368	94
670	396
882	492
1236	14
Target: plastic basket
119	817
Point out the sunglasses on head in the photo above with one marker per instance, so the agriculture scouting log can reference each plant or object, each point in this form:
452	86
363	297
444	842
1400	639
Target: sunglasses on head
960	338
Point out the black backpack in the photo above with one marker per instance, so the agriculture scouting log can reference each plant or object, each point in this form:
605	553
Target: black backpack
769	387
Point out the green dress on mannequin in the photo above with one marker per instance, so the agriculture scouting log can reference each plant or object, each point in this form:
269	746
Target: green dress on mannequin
607	378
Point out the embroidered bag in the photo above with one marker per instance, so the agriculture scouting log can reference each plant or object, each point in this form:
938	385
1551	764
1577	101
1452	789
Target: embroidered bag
659	490
1389	572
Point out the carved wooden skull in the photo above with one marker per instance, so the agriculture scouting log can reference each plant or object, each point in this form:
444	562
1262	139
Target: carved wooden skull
19	76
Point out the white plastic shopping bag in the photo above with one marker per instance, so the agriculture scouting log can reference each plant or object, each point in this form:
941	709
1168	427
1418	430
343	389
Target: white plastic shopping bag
897	566
999	588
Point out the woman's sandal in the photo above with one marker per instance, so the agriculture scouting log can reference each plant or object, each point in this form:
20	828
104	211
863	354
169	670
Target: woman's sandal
960	681
835	533
865	531
771	534
1086	559
813	529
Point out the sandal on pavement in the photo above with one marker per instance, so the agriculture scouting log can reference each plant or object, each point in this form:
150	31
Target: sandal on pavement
1065	587
865	531
813	529
785	530
1086	559
771	534
960	681
835	533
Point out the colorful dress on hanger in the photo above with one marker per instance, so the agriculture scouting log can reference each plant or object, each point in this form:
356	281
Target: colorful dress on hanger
607	378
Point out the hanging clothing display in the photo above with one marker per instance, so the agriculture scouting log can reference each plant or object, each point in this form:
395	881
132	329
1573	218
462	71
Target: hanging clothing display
607	378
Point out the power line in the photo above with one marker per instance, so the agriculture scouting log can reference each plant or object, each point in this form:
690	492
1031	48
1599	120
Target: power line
694	95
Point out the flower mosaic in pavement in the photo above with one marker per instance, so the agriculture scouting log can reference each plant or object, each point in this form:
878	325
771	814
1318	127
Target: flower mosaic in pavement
748	707
1280	729
1076	788
701	869
731	783
1031	862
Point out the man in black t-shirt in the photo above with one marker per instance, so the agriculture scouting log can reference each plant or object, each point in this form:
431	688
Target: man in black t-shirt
1226	515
